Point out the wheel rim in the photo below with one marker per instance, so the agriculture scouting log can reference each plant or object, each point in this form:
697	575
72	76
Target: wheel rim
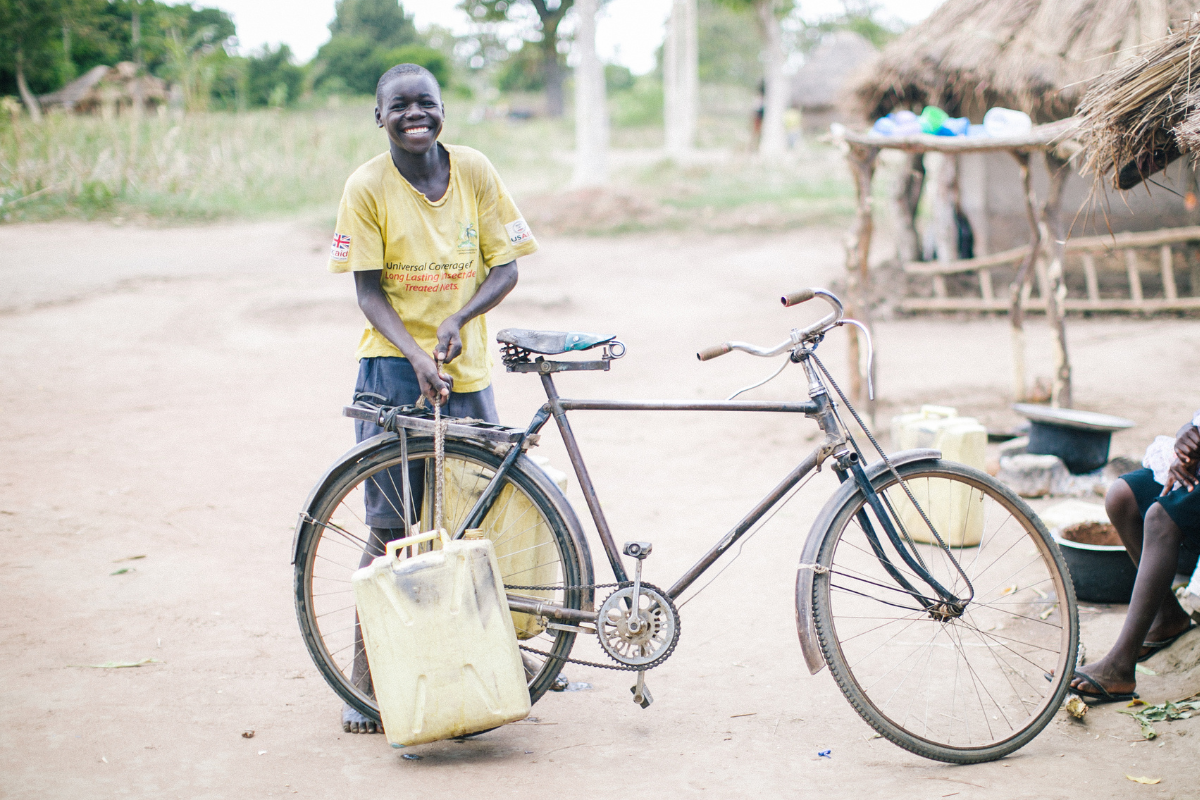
971	682
528	552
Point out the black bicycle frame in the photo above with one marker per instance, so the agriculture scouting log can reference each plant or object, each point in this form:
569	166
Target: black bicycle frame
818	407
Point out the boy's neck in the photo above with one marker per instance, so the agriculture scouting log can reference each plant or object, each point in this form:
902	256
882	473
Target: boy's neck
428	170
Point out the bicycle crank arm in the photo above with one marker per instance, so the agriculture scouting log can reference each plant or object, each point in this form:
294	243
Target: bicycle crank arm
641	692
541	608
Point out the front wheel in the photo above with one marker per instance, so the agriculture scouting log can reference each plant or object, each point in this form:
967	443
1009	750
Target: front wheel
961	687
537	538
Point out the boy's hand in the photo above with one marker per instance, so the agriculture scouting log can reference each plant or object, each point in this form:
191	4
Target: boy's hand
434	386
448	341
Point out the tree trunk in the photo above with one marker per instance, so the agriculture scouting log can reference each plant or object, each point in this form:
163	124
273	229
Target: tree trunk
1056	298
591	110
773	140
681	80
552	72
31	103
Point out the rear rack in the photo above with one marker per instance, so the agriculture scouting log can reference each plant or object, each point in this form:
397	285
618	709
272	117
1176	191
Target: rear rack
421	420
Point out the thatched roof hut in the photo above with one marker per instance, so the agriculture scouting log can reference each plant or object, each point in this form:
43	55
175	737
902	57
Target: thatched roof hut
821	82
1037	56
1144	114
114	88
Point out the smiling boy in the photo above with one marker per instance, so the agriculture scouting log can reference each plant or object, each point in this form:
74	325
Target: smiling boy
432	237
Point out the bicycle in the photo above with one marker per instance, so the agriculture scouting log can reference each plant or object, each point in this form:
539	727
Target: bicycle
934	594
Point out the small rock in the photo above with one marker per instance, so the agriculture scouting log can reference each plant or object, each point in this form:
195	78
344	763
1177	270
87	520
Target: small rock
1030	475
247	734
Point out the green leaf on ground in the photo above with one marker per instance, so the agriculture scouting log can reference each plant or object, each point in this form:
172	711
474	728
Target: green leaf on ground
1164	712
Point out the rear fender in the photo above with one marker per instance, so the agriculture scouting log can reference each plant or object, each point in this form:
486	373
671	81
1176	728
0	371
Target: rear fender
812	546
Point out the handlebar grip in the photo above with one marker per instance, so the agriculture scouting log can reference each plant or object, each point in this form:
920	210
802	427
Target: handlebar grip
710	353
796	298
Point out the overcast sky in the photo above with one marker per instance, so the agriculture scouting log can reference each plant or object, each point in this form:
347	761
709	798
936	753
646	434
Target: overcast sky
629	30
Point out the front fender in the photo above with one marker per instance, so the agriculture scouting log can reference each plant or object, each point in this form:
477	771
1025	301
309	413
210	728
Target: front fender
812	546
364	448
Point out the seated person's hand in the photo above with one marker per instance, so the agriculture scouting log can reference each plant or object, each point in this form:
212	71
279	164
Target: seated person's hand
1187	446
448	341
434	385
1181	474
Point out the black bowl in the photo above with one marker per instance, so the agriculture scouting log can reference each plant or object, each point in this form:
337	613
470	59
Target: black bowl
1101	574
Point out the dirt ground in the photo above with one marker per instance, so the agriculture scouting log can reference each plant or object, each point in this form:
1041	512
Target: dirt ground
172	395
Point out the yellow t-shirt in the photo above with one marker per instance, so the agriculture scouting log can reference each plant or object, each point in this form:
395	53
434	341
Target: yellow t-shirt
434	256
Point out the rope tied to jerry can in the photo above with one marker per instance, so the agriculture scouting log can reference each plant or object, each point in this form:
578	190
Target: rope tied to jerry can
439	453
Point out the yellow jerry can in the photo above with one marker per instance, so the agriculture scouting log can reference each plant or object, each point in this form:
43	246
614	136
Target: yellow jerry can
440	641
955	510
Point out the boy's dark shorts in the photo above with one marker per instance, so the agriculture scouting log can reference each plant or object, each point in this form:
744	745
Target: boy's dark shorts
1182	506
395	379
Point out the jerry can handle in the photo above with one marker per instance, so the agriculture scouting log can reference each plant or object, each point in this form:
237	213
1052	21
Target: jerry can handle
394	546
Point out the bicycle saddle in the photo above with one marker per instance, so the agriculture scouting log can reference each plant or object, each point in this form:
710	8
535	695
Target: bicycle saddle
551	343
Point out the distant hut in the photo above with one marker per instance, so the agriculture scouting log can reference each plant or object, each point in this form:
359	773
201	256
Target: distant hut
1139	117
1037	56
820	87
108	90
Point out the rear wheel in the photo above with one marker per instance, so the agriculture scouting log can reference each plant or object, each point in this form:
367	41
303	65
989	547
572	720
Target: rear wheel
961	688
536	535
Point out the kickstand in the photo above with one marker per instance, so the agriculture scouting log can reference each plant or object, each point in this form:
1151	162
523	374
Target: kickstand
641	693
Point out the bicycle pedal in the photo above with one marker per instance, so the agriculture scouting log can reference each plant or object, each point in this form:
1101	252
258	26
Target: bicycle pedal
644	700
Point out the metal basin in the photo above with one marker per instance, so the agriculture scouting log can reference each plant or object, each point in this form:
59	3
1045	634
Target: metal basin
1101	573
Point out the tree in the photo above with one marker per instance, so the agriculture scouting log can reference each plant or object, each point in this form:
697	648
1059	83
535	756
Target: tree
767	14
681	78
591	107
368	37
271	77
550	14
28	36
381	21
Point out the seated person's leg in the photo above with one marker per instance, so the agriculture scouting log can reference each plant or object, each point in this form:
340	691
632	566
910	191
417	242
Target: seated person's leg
1153	539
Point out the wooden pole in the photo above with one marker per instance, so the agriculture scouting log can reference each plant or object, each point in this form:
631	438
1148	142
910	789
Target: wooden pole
1056	297
1017	293
905	198
858	277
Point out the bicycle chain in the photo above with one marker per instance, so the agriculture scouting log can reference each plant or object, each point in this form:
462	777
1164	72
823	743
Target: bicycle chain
597	665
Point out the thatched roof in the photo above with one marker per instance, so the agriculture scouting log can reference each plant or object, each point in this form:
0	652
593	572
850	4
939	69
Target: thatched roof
76	90
119	86
1144	114
1033	55
821	81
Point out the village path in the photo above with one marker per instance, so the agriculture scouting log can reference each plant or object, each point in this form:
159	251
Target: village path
173	393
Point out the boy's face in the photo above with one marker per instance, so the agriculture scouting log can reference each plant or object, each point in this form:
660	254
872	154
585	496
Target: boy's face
410	110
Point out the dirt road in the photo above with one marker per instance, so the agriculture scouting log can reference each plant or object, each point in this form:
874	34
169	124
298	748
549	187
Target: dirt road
169	396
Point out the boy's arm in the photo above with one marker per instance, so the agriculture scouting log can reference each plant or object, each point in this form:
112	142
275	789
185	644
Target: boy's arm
495	287
379	312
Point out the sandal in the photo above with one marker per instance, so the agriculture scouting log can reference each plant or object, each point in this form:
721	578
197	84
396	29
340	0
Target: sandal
1154	647
1101	697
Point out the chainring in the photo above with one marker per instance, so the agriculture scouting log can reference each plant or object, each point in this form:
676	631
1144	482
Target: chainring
647	643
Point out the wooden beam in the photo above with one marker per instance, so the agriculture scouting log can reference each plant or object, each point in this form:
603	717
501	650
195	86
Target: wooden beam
1089	274
1084	244
1168	273
1135	277
1072	305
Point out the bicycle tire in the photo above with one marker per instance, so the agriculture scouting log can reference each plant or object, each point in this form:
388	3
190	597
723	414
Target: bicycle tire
856	593
328	545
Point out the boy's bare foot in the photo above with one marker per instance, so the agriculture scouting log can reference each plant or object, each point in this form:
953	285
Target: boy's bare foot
354	722
1160	638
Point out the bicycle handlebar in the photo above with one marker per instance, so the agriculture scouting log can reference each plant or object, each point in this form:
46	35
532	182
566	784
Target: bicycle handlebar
825	323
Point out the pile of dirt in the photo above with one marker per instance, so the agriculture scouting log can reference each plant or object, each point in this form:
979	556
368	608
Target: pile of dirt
593	210
1098	533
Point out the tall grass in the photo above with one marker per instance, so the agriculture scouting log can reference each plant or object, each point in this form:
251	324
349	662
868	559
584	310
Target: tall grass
274	162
